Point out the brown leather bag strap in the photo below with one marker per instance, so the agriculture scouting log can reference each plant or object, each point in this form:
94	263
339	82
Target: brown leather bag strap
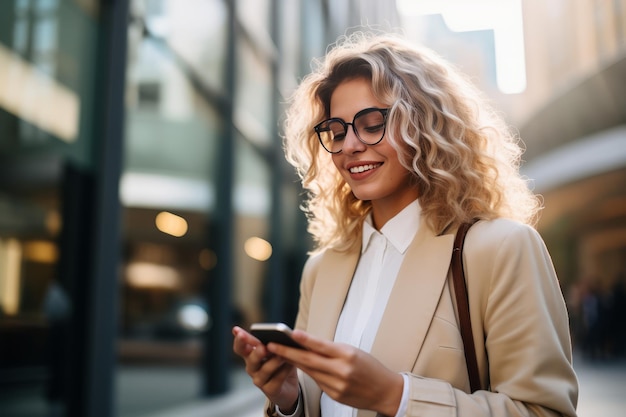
462	302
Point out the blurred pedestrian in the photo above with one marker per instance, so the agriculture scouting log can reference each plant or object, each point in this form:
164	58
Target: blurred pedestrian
396	150
57	309
618	317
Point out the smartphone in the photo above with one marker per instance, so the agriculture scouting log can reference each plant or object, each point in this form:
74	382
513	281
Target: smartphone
274	332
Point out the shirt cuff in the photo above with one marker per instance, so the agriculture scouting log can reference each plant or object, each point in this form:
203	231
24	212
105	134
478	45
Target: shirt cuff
404	401
298	409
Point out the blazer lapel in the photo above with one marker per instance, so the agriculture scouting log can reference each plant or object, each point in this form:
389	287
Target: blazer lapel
329	294
413	300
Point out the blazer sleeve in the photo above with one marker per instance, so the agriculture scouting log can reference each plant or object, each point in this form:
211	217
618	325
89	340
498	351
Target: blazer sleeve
522	322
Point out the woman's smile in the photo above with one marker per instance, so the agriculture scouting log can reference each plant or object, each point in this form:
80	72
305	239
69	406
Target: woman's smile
359	168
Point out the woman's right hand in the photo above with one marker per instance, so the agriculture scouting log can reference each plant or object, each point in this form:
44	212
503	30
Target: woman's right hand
270	373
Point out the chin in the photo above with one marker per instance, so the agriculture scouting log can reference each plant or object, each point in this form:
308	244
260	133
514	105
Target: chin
364	195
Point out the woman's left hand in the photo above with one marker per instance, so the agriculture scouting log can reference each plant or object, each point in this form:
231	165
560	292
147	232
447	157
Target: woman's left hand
345	373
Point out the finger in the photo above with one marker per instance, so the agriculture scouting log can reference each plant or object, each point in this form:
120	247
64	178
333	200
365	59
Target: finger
244	342
280	372
315	344
240	346
272	377
247	337
268	367
308	360
316	350
290	354
259	357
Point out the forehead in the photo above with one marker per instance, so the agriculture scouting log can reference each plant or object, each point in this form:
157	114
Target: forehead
352	96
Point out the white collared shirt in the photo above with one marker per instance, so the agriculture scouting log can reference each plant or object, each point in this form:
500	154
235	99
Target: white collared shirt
382	254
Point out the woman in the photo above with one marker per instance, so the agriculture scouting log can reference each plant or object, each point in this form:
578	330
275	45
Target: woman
416	153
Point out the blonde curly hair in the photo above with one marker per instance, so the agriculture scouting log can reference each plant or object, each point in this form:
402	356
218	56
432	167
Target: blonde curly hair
464	158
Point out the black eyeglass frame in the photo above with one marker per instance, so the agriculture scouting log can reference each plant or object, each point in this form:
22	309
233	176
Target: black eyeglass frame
318	127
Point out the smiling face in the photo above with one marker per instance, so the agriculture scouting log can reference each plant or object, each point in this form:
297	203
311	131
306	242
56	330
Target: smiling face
373	172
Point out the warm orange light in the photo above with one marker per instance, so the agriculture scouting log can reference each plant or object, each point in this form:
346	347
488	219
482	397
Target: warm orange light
10	271
257	248
171	224
41	251
149	275
53	222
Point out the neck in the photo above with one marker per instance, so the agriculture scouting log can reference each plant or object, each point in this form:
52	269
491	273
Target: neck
382	213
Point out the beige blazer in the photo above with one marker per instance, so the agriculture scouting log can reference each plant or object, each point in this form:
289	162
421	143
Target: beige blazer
518	315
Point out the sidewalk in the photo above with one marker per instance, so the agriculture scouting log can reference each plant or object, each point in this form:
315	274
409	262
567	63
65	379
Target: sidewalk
602	387
243	400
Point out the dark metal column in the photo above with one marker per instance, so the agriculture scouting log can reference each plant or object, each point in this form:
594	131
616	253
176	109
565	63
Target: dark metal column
218	352
276	276
105	229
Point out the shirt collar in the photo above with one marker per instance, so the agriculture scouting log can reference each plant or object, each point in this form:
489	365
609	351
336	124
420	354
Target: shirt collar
399	230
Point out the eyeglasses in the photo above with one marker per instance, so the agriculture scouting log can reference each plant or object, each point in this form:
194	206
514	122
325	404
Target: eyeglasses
369	127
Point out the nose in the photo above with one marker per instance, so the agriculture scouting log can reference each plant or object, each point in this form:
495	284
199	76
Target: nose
352	143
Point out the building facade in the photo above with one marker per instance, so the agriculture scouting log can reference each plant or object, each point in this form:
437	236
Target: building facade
571	118
145	203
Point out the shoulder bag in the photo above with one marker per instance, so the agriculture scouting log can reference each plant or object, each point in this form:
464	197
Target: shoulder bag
462	302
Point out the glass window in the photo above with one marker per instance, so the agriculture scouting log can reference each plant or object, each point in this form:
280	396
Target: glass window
193	31
252	203
173	126
290	46
46	78
254	15
253	101
46	59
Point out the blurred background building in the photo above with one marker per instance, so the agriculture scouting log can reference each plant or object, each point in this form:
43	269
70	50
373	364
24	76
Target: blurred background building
145	205
557	71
